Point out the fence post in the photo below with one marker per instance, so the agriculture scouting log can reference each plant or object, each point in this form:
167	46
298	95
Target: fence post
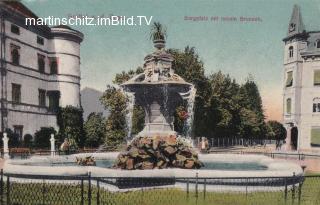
98	192
89	188
300	189
247	181
285	190
82	194
43	191
1	187
204	188
293	189
8	190
187	188
197	185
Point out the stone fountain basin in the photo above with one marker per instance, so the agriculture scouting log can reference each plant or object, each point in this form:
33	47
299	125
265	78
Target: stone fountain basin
275	168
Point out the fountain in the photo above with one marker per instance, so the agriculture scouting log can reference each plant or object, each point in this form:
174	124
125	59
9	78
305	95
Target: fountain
159	91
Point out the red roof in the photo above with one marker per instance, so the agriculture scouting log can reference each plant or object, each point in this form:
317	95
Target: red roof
20	8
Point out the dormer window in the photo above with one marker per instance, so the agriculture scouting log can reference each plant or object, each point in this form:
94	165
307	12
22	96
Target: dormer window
292	27
290	51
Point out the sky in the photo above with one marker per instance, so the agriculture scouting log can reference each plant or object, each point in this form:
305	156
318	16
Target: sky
234	47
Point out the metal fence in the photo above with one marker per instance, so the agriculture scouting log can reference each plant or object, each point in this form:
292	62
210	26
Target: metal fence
24	153
234	141
16	189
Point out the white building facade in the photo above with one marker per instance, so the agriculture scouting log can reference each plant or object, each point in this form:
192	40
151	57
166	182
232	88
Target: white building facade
301	88
40	70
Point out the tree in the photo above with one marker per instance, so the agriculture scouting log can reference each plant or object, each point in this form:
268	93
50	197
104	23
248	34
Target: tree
70	122
125	76
250	99
42	137
95	129
188	65
115	101
223	106
27	140
14	140
278	131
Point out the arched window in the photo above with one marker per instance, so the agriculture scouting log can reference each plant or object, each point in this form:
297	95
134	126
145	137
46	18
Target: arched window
316	105
15	56
290	51
288	110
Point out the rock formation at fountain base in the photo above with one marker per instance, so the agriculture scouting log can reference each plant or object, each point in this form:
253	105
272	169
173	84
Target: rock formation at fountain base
158	153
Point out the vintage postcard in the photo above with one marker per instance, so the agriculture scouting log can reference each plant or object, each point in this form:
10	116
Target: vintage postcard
159	102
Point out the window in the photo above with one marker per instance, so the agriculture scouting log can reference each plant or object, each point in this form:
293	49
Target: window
18	130
41	63
15	29
16	93
54	97
288	106
40	40
53	65
42	98
316	77
290	51
15	55
289	80
316	105
317	44
315	136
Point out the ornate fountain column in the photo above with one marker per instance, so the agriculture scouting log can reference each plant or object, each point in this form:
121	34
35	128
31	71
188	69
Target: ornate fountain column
159	91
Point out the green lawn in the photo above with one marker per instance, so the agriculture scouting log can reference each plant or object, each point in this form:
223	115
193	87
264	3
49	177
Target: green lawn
59	194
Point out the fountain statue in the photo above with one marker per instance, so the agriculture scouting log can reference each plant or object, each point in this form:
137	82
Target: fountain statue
158	90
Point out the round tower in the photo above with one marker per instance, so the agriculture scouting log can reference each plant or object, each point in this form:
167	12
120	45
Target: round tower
66	44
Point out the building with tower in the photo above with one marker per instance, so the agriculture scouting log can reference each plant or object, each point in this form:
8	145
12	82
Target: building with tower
40	70
301	87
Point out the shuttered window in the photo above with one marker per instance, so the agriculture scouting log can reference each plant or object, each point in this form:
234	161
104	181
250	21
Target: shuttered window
316	77
315	136
289	80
